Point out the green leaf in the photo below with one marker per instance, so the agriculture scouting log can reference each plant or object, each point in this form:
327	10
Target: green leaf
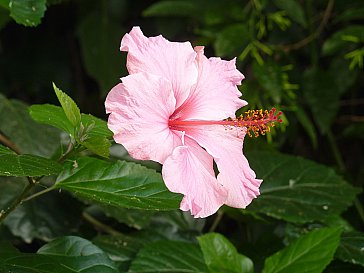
322	90
172	8
351	248
70	108
298	190
310	253
65	255
169	256
339	40
232	40
27	165
10	187
121	249
70	246
270	77
98	145
176	225
55	116
120	184
134	218
293	9
27	12
28	136
5	150
99	40
221	255
51	115
44	218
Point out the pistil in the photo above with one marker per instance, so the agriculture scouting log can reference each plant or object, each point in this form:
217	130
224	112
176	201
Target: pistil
256	122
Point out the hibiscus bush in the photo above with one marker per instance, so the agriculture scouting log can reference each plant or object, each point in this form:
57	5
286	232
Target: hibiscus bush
232	143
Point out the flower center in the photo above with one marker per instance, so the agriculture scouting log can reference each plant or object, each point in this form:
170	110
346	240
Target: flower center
256	122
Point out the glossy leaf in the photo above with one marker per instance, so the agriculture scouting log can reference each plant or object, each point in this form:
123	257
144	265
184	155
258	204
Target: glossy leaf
65	255
27	12
169	256
27	165
44	218
5	150
121	249
120	184
221	256
135	218
70	246
351	248
98	145
176	225
298	190
51	115
28	136
310	253
70	108
55	116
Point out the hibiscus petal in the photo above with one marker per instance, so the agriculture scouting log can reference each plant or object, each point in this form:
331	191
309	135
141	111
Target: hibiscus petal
189	170
215	96
225	145
171	60
139	111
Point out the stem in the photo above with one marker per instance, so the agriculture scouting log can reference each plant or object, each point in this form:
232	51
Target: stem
8	143
100	226
67	153
18	200
39	193
335	150
315	34
32	182
217	221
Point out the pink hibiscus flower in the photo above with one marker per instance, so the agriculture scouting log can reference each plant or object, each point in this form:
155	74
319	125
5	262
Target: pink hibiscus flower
173	108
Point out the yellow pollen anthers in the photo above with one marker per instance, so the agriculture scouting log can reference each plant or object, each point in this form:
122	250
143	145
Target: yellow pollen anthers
257	122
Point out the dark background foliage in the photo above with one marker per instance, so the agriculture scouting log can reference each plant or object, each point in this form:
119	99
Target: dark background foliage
302	57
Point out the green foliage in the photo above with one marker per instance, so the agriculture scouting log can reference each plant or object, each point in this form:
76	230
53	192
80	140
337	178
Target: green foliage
121	184
45	218
310	253
27	165
23	130
86	130
66	205
27	12
299	190
67	254
351	248
70	108
221	256
169	256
